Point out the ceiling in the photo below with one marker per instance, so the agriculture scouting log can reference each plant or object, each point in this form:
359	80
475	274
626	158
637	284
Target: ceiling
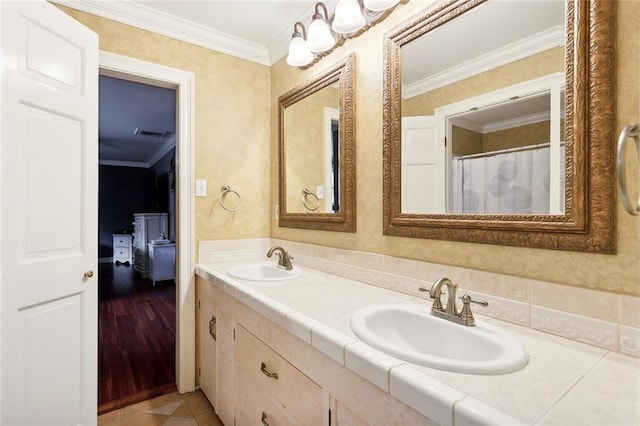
488	29
137	122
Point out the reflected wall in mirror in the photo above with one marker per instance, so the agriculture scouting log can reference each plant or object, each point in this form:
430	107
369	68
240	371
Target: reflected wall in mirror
490	134
316	147
312	142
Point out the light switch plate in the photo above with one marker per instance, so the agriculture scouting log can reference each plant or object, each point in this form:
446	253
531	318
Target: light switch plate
201	187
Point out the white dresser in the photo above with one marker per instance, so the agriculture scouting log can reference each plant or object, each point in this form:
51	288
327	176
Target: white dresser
122	249
146	227
162	262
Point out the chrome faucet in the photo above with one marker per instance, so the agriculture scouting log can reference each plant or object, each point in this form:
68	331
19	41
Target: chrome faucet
450	312
284	257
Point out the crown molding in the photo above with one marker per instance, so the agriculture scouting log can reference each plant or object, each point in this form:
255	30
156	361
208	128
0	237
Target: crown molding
504	124
468	125
164	149
517	122
116	163
545	40
158	22
161	152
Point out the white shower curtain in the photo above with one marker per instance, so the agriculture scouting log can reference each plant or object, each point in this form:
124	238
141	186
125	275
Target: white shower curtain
504	183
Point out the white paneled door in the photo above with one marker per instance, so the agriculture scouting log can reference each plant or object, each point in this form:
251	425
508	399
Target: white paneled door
423	165
48	252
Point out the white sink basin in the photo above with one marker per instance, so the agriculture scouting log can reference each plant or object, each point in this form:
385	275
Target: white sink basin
263	272
412	334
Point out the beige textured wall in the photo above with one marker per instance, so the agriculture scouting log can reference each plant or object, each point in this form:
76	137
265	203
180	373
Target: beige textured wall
232	123
529	134
304	145
465	141
618	273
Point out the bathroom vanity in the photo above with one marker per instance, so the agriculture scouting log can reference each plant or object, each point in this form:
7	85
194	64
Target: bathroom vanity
236	369
299	328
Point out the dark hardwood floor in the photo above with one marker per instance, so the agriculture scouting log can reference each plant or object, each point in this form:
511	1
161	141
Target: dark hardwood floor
136	337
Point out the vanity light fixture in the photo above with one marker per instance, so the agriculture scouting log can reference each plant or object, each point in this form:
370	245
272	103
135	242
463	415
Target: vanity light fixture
378	5
351	18
299	53
348	17
319	37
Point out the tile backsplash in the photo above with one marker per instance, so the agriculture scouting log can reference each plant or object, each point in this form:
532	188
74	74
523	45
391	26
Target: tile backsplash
603	319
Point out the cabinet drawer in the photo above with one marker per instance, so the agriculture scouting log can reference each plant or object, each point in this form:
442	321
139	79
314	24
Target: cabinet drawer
121	252
121	241
255	407
297	395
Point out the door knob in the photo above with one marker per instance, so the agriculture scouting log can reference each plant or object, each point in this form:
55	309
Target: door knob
88	274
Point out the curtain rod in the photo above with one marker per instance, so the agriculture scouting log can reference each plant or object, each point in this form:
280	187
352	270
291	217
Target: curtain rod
504	151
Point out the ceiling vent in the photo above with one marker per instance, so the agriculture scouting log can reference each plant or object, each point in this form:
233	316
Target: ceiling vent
158	134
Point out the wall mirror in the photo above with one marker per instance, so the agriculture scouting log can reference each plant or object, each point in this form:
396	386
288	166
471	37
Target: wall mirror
498	124
317	152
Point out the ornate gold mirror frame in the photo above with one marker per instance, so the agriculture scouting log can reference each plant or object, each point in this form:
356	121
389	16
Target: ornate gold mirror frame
588	223
345	219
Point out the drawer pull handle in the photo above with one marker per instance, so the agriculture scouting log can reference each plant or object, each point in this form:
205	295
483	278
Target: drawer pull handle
263	368
264	419
212	327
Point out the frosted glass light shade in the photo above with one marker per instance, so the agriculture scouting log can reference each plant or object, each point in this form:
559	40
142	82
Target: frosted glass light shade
319	37
348	17
299	53
378	5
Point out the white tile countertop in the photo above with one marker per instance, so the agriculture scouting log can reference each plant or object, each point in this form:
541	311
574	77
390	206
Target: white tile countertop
565	382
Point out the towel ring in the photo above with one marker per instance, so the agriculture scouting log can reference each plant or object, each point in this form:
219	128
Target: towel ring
631	131
226	189
305	194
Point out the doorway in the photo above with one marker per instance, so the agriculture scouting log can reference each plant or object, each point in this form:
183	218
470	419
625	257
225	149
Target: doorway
136	242
183	83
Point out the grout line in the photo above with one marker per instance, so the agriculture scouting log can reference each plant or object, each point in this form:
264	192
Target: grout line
573	386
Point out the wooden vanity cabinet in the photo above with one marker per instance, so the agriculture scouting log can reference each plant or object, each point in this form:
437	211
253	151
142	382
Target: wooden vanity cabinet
271	389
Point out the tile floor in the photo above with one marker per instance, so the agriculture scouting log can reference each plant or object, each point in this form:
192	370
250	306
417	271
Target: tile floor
173	409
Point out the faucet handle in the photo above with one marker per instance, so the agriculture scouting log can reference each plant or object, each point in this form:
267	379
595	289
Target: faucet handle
437	303
467	299
466	314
